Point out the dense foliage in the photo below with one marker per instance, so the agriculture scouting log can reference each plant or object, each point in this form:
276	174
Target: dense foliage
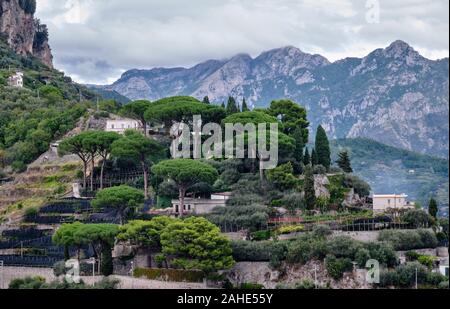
30	121
122	198
195	243
409	240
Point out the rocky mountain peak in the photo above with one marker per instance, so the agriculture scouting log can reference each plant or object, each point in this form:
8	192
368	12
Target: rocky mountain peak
393	95
402	51
24	34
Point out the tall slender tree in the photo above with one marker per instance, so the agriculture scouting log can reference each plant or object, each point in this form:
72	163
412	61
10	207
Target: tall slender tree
245	106
306	157
314	158
310	193
299	145
344	162
433	208
232	107
323	148
206	100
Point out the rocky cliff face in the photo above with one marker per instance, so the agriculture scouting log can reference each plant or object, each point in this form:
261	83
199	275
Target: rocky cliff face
394	95
24	34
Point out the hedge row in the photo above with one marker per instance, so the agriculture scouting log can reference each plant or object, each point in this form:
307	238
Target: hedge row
410	240
174	275
262	251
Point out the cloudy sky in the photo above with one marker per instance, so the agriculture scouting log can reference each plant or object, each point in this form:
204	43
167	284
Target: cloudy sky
94	41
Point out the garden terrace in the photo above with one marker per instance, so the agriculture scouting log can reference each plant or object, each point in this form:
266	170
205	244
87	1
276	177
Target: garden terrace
28	261
67	207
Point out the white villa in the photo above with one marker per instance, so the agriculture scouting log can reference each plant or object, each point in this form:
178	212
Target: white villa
16	80
120	125
201	206
382	203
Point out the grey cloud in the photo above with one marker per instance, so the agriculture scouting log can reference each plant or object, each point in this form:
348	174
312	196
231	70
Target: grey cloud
109	36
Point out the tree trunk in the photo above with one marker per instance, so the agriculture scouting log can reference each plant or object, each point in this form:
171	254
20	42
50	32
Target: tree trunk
101	173
182	194
92	173
144	127
261	172
145	170
85	176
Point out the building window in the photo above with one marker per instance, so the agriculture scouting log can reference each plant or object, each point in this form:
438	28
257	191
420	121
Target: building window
112	126
389	201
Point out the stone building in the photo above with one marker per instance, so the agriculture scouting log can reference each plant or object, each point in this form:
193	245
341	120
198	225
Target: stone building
16	80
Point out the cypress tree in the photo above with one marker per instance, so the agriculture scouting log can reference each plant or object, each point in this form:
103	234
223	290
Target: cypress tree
433	208
310	192
306	157
323	148
232	106
299	145
107	268
206	100
314	159
245	106
344	162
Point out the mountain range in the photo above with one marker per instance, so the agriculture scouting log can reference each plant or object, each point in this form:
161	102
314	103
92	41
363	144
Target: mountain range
393	95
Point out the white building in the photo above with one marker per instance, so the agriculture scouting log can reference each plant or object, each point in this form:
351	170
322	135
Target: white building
201	206
121	125
383	203
16	80
443	267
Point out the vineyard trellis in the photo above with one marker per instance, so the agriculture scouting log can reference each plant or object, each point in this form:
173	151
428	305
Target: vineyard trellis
118	179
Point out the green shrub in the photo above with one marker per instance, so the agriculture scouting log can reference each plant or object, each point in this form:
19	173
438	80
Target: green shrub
251	286
306	248
412	256
417	218
289	229
426	260
362	256
337	267
443	285
384	253
305	285
410	240
31	212
322	231
29	283
260	235
175	275
264	251
344	247
435	279
404	275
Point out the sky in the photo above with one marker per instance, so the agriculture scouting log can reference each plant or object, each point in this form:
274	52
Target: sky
95	41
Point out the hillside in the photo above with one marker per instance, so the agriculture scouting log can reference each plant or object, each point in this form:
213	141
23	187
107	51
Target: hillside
109	94
393	170
44	110
393	95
